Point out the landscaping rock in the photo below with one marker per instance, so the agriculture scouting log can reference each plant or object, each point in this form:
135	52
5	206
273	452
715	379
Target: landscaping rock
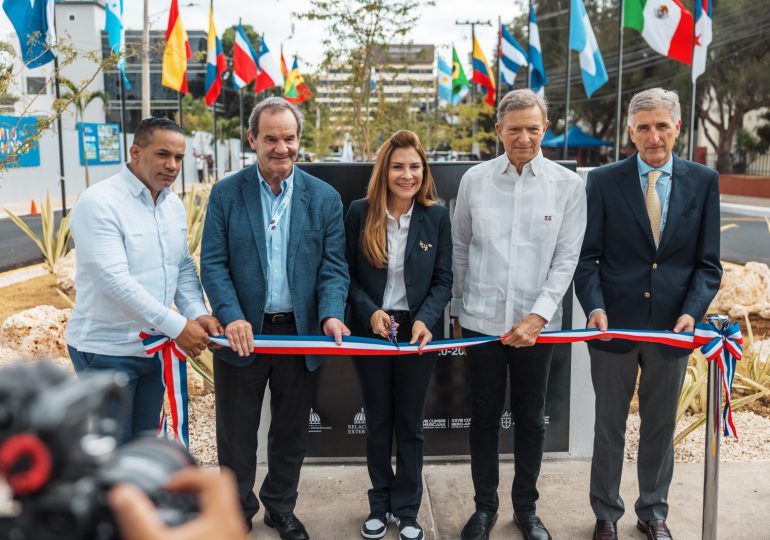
745	290
36	332
65	273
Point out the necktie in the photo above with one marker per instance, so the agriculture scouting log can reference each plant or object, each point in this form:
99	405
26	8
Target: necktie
652	202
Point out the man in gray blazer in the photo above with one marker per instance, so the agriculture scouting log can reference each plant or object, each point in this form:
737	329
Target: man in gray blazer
650	260
272	262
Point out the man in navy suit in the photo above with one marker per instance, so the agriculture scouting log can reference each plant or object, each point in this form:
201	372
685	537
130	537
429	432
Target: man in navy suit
272	262
650	260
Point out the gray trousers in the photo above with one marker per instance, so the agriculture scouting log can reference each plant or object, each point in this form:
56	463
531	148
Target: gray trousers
614	378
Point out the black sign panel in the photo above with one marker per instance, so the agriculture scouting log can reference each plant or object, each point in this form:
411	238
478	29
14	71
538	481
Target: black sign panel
337	421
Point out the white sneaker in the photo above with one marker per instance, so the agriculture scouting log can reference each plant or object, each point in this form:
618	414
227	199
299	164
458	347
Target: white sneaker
409	529
376	525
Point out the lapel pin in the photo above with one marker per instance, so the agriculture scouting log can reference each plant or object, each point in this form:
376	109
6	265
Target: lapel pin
424	246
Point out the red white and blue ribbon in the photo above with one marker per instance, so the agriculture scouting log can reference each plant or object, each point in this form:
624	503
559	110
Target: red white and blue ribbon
724	346
173	364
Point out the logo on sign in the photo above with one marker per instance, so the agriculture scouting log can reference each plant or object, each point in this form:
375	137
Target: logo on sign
358	427
316	426
505	420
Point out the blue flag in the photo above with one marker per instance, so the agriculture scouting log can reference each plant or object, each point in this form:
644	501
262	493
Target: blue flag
512	56
116	34
583	40
538	78
444	81
34	24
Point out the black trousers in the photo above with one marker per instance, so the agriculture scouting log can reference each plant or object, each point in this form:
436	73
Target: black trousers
394	389
491	366
239	392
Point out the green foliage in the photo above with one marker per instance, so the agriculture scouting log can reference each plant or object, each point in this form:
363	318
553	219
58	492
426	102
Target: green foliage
357	30
195	202
52	244
197	116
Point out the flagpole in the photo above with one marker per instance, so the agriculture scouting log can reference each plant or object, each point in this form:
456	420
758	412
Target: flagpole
123	115
216	152
691	132
61	141
569	76
240	114
181	125
529	47
499	73
619	97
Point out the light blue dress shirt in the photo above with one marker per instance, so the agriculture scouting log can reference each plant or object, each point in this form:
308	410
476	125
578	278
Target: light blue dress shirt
663	186
278	294
132	264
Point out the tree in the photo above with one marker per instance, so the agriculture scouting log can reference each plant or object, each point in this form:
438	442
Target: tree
737	78
80	99
196	115
357	30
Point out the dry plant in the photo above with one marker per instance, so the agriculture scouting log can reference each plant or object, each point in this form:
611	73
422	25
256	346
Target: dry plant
52	245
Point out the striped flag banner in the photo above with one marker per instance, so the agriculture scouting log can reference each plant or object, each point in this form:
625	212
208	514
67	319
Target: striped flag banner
723	346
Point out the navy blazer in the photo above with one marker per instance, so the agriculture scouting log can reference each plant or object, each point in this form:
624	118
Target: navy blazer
620	270
427	268
234	256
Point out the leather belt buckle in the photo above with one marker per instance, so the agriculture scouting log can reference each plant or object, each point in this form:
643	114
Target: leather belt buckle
279	318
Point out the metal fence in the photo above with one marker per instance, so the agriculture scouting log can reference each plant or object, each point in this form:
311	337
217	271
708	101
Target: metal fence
744	164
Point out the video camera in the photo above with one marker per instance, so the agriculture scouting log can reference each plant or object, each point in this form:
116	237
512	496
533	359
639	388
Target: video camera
60	456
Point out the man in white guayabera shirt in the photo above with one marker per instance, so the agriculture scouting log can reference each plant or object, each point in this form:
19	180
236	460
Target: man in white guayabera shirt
517	230
130	233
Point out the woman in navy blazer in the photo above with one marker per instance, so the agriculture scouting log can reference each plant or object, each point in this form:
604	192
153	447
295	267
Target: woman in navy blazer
399	251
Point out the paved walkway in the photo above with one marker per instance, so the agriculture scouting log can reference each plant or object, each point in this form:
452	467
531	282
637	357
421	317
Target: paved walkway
332	501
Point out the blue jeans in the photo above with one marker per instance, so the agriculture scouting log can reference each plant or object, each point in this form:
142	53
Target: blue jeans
144	390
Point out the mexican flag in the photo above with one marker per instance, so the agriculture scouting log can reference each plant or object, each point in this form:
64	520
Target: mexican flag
665	25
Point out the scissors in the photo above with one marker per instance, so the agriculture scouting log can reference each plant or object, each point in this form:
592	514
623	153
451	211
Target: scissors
393	336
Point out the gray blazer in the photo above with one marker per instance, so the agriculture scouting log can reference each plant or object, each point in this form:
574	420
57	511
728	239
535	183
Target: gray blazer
234	258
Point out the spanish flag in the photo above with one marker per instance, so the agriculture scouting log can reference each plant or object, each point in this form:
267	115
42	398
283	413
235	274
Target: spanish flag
177	52
482	74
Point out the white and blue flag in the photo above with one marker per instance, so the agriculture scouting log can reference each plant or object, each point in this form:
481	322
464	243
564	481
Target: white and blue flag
512	56
33	21
444	81
537	77
116	34
583	40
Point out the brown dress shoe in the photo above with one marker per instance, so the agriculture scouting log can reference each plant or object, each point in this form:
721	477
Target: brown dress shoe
605	530
655	529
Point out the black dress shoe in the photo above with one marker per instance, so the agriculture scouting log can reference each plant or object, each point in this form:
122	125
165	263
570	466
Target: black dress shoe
605	530
655	529
479	526
287	525
531	527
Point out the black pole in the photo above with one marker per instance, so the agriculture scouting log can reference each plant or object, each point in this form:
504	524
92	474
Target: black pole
529	47
123	115
216	153
61	141
619	97
181	124
499	75
569	76
240	107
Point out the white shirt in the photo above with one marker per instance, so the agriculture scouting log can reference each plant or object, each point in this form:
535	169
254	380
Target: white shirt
132	263
517	241
395	287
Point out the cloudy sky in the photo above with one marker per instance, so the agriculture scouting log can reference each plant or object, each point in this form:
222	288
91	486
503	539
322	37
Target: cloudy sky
274	17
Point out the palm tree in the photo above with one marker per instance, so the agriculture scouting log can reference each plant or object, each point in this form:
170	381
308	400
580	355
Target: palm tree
81	99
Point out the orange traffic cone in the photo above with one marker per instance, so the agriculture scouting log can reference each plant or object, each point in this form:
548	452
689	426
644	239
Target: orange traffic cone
33	209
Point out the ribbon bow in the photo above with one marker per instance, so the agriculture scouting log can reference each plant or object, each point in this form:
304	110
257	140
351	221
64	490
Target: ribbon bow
725	347
174	376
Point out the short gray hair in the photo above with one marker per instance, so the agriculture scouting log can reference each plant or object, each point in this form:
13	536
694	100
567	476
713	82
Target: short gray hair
655	98
273	105
523	98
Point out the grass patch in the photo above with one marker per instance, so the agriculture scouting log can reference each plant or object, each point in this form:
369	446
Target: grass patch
27	294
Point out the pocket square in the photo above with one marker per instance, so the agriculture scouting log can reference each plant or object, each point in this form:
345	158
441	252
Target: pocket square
424	246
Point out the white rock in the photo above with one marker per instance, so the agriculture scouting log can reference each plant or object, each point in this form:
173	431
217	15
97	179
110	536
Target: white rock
745	290
65	272
36	332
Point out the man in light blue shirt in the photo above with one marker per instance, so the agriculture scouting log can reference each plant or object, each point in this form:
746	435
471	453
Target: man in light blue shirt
130	232
662	187
278	298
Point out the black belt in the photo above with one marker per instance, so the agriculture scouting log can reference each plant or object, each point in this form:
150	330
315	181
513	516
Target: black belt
279	318
401	317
